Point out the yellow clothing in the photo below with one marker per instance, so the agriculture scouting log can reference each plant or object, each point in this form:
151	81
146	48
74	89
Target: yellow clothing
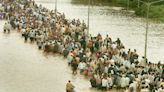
69	87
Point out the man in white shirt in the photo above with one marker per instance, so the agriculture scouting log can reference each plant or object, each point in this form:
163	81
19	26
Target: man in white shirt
104	84
5	27
82	65
133	86
110	82
23	31
161	89
123	82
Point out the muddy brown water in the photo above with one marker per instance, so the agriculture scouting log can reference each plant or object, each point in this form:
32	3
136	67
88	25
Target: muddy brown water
23	68
130	30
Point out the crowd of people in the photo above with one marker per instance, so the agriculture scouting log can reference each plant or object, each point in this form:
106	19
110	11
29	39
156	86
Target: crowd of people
106	62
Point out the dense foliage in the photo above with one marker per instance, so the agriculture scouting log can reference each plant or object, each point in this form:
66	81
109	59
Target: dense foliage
156	10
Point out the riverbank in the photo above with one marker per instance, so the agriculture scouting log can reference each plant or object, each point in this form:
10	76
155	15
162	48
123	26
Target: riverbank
156	11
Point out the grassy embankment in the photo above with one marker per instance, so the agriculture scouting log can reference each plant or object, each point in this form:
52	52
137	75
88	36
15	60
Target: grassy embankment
156	10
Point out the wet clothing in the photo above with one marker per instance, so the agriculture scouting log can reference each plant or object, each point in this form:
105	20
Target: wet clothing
69	87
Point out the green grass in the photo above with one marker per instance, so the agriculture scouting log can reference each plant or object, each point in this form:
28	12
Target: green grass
156	12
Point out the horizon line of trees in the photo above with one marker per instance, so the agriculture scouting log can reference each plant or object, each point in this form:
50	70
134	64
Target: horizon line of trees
156	10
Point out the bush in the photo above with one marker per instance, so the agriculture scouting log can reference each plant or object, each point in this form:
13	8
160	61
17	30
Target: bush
156	12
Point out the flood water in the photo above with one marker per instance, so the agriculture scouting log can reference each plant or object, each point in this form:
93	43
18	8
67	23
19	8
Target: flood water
23	68
129	29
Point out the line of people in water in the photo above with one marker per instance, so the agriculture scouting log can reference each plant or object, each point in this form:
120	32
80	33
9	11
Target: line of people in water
106	62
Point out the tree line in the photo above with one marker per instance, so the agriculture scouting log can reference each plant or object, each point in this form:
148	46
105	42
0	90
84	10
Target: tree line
156	10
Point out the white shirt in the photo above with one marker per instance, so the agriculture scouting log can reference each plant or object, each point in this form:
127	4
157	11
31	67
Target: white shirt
134	86
126	63
114	46
127	80
160	90
5	27
110	81
23	31
106	69
104	82
8	26
123	82
82	65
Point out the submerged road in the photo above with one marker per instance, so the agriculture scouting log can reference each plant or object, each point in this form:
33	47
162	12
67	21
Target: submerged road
23	68
130	30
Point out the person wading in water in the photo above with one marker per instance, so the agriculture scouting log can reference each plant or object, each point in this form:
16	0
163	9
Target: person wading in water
69	87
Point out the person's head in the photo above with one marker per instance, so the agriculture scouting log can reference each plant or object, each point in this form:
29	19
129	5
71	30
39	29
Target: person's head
69	81
143	57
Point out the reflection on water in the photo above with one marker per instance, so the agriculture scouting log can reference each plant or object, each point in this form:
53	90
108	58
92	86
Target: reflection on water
106	21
